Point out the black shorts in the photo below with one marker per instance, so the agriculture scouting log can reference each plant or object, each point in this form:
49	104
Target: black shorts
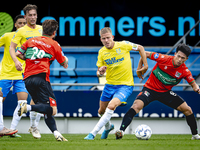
168	98
40	89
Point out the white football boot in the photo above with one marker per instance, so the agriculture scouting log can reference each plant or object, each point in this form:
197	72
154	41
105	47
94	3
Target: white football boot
35	132
195	137
60	138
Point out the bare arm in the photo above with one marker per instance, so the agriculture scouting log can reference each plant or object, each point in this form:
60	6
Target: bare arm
195	87
65	64
143	56
18	65
12	51
101	71
143	60
21	56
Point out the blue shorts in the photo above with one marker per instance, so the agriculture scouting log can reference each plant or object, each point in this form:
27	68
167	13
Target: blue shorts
122	92
18	86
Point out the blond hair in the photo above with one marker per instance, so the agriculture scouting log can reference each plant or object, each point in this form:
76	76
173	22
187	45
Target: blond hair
105	30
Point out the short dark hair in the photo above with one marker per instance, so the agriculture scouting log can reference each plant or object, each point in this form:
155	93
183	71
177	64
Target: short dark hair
29	7
49	26
18	17
183	48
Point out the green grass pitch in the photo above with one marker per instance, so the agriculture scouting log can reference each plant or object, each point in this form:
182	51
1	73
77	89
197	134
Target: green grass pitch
76	142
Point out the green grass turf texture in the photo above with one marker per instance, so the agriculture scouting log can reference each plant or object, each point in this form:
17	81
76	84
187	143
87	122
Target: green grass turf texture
76	142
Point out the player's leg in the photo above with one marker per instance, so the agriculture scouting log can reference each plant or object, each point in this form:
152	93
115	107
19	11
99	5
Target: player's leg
190	118
106	117
142	100
49	112
173	100
22	94
34	121
102	108
121	93
128	117
44	100
105	98
5	86
22	97
34	116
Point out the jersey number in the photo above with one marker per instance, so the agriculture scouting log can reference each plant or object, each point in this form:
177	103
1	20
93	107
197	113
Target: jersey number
37	53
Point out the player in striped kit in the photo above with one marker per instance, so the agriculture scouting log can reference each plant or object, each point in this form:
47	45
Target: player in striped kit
168	72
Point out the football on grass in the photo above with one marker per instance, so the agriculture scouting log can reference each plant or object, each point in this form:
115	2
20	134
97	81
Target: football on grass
143	132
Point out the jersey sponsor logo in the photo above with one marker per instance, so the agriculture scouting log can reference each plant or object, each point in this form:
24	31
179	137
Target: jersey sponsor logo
172	93
146	93
113	60
165	78
177	74
156	55
30	37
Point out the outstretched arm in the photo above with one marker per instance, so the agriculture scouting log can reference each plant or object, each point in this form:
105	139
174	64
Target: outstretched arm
195	87
143	60
65	64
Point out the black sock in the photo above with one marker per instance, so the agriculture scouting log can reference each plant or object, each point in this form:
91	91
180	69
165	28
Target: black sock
127	119
191	121
42	108
50	122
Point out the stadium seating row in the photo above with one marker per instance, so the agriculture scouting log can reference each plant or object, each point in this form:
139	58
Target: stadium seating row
82	66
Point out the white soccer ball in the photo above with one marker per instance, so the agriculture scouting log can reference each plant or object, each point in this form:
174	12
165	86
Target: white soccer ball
143	132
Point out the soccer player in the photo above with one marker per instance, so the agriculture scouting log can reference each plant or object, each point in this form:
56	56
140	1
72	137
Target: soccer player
114	59
30	30
39	53
9	76
168	72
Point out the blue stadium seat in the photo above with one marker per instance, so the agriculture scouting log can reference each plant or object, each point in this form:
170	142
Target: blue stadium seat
82	66
57	69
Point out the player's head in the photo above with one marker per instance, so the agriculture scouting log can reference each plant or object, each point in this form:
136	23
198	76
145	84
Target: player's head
50	27
19	21
181	55
30	12
106	37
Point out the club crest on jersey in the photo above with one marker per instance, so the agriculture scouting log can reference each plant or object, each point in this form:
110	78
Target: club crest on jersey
156	55
177	74
118	51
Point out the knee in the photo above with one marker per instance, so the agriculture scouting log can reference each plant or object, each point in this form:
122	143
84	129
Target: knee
111	107
114	103
187	111
137	107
